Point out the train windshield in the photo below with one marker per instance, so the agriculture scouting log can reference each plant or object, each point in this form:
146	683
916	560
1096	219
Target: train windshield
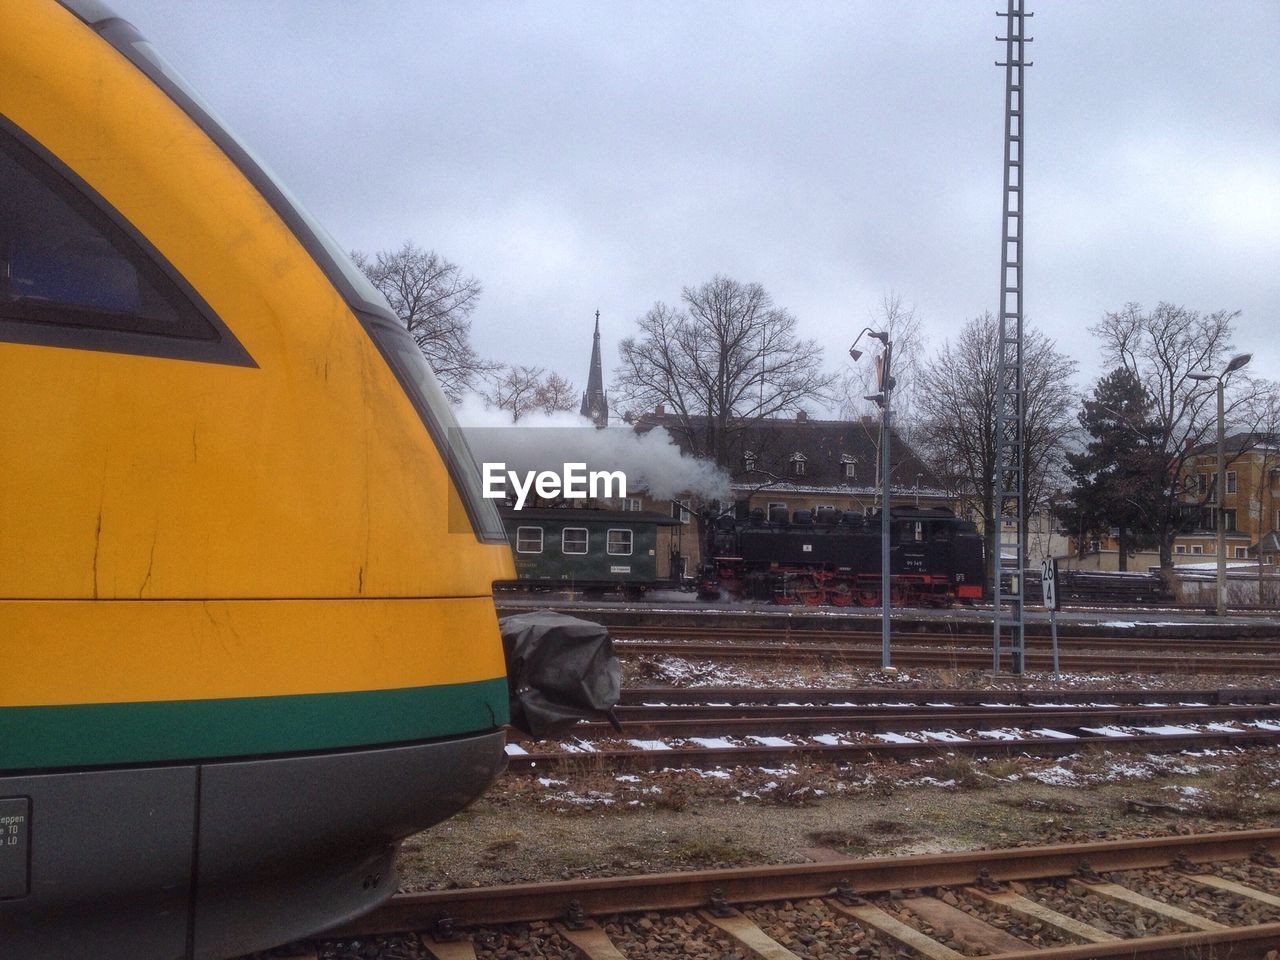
125	38
367	302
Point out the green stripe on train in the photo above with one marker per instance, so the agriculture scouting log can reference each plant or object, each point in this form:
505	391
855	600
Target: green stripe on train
89	734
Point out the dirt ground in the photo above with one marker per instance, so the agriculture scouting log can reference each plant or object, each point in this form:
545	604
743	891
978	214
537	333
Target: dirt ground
592	822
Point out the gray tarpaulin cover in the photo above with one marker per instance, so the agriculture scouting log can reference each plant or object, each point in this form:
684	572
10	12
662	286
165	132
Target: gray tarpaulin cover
559	670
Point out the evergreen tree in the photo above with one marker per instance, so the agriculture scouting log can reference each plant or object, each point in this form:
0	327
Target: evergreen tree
1118	477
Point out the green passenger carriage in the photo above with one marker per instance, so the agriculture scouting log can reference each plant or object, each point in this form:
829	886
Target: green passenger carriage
585	549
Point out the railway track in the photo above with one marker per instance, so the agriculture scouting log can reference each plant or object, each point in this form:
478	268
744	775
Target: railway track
711	719
938	656
1205	895
923	696
704	735
1067	641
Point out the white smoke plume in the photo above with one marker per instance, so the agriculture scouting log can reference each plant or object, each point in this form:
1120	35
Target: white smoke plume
652	461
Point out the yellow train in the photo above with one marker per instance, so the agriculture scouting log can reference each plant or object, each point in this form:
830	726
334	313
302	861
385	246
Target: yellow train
243	650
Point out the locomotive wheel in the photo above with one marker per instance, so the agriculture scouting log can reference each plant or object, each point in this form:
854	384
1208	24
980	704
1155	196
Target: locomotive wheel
809	594
840	596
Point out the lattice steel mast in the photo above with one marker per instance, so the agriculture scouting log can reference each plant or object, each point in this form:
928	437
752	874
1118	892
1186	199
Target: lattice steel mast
1010	506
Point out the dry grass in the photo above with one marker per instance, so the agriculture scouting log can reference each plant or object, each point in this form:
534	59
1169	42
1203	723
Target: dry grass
702	850
1241	791
960	768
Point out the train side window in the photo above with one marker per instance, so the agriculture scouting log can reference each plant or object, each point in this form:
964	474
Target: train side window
528	539
73	273
619	543
573	541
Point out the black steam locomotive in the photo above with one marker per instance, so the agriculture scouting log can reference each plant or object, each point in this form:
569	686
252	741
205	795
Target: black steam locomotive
826	556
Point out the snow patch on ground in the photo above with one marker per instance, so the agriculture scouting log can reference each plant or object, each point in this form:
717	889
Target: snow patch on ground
771	741
1055	734
1001	734
1056	776
895	738
1108	731
1170	730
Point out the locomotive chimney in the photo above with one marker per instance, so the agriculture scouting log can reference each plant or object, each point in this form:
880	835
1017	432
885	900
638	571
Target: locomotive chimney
801	416
658	410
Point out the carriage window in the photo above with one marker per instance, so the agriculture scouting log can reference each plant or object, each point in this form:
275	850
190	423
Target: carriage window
619	544
574	540
65	263
528	539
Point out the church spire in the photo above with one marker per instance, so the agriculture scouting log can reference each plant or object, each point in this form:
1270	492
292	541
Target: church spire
595	403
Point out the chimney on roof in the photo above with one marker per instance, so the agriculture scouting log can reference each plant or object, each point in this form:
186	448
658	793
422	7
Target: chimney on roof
801	416
658	411
867	420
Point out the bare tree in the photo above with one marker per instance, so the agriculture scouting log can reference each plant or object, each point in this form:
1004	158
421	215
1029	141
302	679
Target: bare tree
1162	348
957	402
556	395
520	390
905	329
434	300
515	389
722	361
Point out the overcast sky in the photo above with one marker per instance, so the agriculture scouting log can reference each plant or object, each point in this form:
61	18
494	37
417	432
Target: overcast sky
576	156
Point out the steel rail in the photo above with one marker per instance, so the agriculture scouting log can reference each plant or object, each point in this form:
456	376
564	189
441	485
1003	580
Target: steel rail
937	638
1239	943
519	903
798	623
919	696
944	658
509	594
700	757
771	719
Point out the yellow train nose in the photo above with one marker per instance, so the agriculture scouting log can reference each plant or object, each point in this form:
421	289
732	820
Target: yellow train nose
236	621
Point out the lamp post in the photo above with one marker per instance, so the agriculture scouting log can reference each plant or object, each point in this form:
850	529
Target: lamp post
882	400
1235	364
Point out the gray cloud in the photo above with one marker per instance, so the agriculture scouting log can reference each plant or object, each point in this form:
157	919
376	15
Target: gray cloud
584	155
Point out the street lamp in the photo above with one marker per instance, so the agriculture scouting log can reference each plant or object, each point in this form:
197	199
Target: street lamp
1236	363
881	399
